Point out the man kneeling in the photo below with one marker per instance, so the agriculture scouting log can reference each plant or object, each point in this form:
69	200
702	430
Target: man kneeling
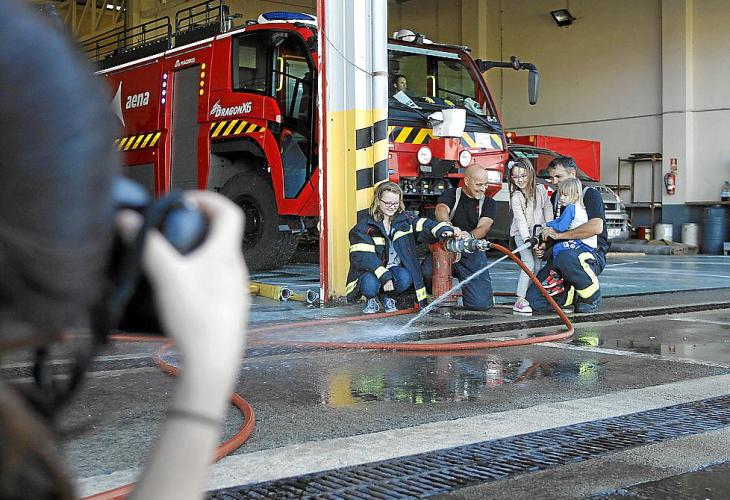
572	273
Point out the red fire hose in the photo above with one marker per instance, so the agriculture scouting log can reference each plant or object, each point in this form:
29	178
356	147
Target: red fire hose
248	414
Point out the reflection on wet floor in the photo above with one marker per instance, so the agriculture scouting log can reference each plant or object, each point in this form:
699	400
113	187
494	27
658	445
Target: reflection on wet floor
439	379
710	483
700	336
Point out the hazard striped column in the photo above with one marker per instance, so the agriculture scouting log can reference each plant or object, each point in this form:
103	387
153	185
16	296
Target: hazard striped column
353	112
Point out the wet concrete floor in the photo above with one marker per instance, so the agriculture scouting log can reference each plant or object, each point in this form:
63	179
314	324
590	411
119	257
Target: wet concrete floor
309	399
311	396
712	483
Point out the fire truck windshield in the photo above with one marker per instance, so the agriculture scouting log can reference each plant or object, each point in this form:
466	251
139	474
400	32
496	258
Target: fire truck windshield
423	80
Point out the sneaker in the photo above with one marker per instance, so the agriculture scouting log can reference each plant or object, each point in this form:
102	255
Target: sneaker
522	307
554	279
588	307
556	290
389	304
568	309
371	306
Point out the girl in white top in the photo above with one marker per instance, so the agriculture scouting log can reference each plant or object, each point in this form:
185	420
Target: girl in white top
530	207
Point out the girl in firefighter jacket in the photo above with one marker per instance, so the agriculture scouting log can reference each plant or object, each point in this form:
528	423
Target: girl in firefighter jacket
383	250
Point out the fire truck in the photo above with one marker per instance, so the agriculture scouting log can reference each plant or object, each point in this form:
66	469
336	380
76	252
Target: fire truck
204	105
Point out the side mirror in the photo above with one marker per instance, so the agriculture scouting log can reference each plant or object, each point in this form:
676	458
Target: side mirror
533	86
533	82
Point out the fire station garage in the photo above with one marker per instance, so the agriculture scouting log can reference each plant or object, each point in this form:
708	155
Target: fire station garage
487	246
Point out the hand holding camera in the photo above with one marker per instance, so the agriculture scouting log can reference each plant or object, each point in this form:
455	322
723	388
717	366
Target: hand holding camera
201	296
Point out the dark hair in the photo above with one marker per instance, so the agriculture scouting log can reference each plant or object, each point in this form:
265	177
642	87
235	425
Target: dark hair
30	463
564	161
57	161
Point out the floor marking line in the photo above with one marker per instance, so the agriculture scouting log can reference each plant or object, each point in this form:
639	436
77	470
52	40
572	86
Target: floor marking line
58	362
631	354
697	320
623	264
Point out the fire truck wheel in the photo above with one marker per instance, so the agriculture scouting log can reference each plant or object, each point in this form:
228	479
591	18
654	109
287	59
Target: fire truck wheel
264	246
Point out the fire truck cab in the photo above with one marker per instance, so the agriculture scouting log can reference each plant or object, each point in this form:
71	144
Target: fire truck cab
205	106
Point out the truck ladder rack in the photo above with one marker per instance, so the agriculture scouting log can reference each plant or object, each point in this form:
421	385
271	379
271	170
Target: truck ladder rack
123	45
200	21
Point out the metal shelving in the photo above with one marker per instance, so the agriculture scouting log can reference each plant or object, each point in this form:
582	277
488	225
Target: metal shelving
656	161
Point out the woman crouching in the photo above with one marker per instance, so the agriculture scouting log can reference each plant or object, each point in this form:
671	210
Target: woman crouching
383	250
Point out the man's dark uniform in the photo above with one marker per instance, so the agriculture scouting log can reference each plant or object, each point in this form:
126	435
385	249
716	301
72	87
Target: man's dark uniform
579	268
477	294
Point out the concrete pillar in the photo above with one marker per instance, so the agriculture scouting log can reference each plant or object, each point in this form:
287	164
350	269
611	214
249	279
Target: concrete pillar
677	103
135	12
474	29
353	149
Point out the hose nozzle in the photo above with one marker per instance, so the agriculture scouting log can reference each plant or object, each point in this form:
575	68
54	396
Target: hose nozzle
469	246
536	238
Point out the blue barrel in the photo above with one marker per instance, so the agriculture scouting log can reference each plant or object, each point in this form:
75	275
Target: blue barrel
714	230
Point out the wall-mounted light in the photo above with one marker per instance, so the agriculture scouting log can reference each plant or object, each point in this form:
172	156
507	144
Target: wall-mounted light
562	17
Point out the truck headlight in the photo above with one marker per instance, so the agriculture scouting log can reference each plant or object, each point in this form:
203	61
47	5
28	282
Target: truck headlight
494	177
465	158
424	155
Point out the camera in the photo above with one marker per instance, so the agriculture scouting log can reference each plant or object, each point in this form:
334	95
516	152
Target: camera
128	303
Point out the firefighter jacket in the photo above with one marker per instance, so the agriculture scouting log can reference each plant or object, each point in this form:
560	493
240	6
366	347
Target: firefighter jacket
369	252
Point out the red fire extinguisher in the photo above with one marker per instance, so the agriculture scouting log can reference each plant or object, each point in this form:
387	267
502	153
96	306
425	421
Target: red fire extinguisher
670	182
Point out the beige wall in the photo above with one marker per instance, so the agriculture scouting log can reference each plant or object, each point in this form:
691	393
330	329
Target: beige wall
711	96
438	20
638	76
600	77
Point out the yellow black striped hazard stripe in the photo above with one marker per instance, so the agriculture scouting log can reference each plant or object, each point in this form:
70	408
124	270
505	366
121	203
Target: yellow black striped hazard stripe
418	135
370	170
227	128
410	135
141	141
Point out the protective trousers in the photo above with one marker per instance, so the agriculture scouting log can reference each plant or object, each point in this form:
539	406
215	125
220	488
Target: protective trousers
580	270
477	294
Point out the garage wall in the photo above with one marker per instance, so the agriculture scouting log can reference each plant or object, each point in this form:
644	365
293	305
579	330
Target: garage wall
252	8
711	96
600	77
437	19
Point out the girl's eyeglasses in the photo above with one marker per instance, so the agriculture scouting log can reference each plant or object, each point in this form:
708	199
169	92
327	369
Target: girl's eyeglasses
390	204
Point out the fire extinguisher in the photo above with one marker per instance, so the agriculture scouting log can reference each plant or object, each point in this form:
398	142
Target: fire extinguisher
670	182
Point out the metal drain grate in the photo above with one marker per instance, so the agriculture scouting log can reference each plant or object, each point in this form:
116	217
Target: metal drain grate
441	471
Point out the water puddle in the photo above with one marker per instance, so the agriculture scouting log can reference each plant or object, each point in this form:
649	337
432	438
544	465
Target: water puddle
429	380
697	342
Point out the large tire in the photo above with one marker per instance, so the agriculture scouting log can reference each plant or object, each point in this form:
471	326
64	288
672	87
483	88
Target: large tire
264	246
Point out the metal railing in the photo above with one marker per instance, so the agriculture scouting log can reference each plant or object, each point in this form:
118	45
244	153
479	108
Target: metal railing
155	35
206	18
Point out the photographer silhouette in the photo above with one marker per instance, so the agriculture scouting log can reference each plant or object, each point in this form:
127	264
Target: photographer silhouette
57	224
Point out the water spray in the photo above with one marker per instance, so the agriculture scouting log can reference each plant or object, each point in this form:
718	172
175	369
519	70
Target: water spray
448	294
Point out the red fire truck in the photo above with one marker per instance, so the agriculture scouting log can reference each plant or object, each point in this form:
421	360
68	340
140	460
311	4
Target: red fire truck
205	106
